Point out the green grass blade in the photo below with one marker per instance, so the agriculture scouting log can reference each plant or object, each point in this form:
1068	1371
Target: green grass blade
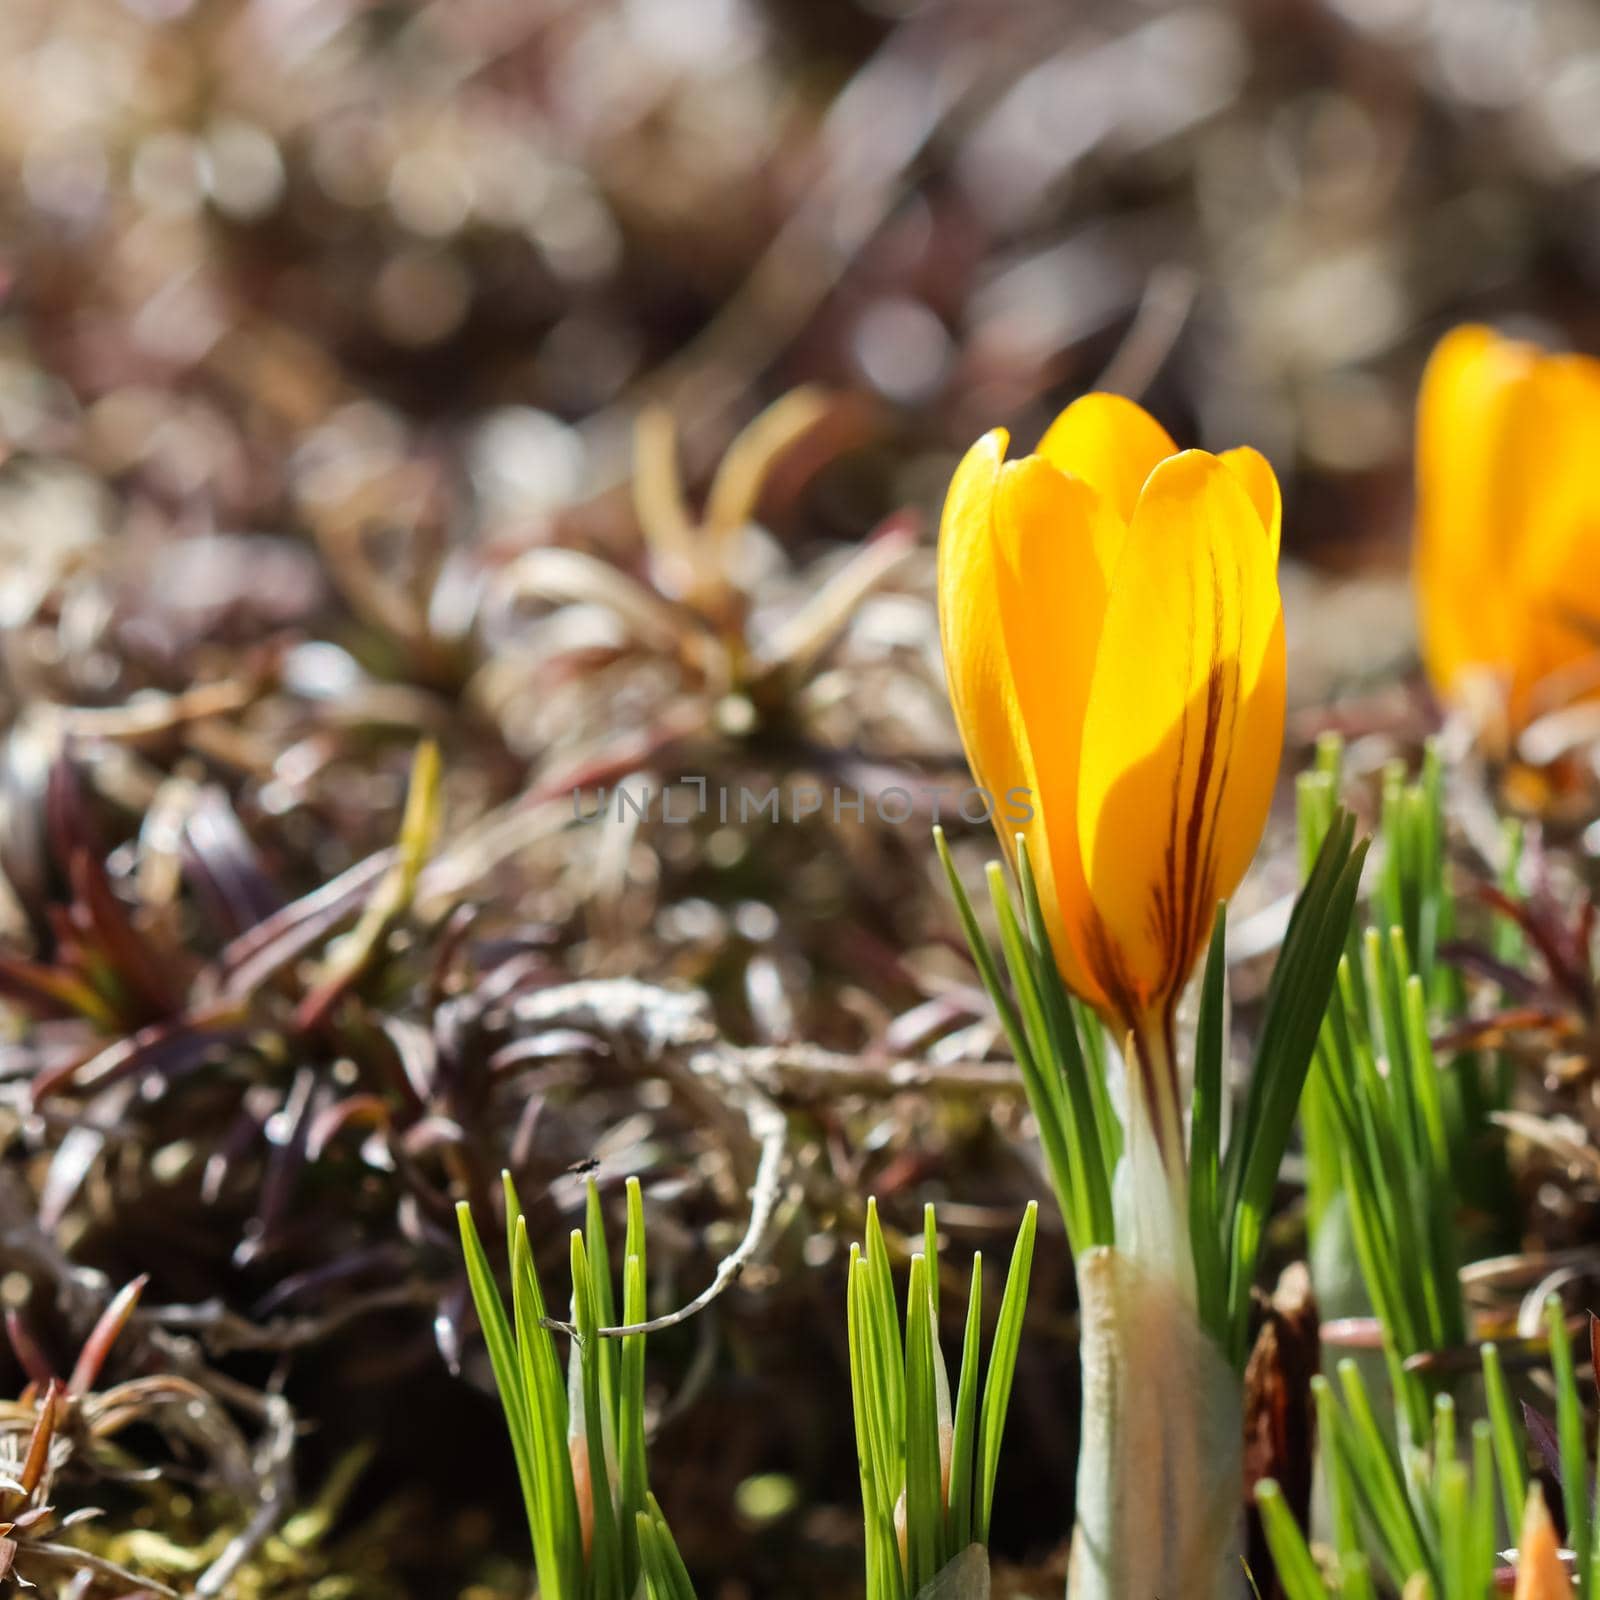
547	1411
630	1420
1455	1538
924	1501
1297	1572
884	1343
498	1337
982	954
1045	1091
1510	1462
1297	998
1343	1493
1570	1438
1064	1115
668	1576
1356	1579
1480	1521
1444	1437
1306	919
1382	1481
605	1552
599	1253
867	1446
966	1415
1002	1368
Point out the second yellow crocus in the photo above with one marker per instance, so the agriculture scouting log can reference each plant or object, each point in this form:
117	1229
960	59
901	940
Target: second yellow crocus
1113	638
1508	526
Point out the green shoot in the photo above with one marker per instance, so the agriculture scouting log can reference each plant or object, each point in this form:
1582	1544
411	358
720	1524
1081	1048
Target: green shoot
578	1439
927	1469
1430	1519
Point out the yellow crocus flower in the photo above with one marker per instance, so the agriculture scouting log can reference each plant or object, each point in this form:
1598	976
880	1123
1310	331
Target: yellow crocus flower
1113	640
1508	524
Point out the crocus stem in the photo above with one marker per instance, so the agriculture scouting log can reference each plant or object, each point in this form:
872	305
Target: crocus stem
1153	1066
1159	1463
1159	1470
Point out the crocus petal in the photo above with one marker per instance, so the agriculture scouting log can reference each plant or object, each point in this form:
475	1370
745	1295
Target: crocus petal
976	588
1057	542
1555	560
1260	482
1541	1573
1467	500
1023	553
976	667
1184	727
1110	442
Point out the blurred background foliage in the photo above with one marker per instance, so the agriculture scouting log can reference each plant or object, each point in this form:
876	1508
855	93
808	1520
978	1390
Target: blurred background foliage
326	327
